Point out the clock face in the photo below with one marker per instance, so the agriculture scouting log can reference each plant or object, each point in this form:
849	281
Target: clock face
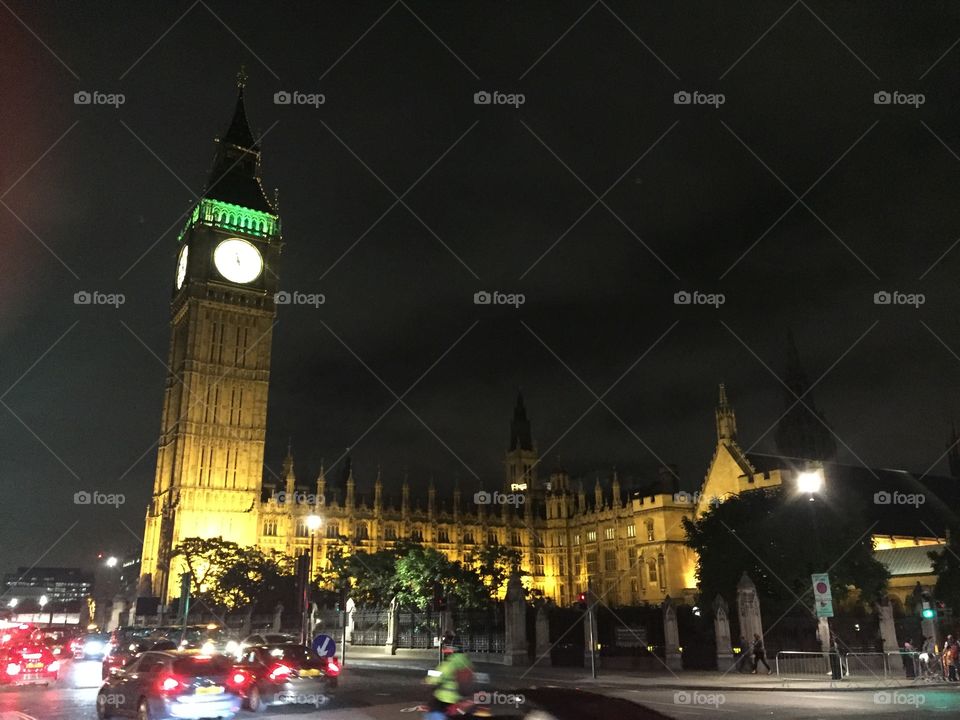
238	261
182	267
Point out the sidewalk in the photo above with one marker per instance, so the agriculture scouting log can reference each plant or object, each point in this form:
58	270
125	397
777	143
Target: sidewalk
420	661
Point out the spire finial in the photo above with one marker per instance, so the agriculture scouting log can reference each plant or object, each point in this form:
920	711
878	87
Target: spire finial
242	77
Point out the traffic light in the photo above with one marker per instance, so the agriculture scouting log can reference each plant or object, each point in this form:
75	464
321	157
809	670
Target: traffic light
928	613
582	601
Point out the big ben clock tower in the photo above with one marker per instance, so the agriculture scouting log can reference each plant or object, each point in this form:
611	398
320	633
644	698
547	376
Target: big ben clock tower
210	454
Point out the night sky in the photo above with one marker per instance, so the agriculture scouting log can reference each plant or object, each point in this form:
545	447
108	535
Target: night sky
691	197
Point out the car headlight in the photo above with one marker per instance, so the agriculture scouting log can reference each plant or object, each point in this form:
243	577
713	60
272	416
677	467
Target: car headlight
233	647
93	648
208	648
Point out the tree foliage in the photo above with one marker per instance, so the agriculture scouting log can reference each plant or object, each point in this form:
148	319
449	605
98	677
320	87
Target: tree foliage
779	540
227	576
946	566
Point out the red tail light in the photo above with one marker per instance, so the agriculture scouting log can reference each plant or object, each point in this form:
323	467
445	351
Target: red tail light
169	684
13	669
239	678
333	667
280	672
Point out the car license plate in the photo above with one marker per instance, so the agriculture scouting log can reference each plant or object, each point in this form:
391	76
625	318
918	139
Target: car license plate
212	690
309	673
35	666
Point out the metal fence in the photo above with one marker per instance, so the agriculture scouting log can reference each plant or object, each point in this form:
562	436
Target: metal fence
797	665
481	631
370	626
417	630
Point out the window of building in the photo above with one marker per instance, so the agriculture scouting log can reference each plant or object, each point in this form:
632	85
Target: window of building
515	538
362	532
417	534
468	538
560	540
610	533
390	532
591	563
270	528
492	538
302	529
333	530
631	531
443	535
538	565
610	560
576	539
652	571
592	536
650	536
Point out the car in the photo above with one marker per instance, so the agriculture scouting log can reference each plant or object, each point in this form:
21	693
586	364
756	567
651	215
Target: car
12	633
161	685
210	638
264	638
92	646
287	674
28	664
122	655
59	641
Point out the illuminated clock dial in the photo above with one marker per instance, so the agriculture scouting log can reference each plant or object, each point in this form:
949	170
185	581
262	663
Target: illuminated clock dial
238	261
182	267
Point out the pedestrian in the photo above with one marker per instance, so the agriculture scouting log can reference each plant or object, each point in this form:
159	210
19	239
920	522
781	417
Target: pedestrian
908	656
950	652
759	654
928	652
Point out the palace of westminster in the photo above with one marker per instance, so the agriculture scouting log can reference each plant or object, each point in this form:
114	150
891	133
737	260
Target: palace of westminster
629	542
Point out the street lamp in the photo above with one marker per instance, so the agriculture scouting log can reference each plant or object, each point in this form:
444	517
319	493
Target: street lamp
43	601
810	481
111	562
12	603
313	524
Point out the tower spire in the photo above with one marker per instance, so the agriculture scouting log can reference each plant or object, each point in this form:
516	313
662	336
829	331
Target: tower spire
520	435
802	432
726	418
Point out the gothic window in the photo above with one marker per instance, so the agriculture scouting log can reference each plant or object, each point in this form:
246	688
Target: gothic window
538	565
362	533
515	538
391	532
610	561
652	570
443	535
591	564
650	535
576	539
270	528
631	531
416	534
302	529
609	533
560	540
333	530
492	538
468	538
592	536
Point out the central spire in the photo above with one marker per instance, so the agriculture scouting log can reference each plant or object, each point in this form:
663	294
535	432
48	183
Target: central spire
235	176
520	435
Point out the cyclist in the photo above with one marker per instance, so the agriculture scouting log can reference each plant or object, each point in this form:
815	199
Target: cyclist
454	680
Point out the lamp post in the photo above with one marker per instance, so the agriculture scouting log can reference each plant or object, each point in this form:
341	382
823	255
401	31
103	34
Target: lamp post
313	524
811	482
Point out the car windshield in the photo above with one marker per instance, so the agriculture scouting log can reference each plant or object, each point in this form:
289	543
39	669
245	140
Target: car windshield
278	638
202	665
97	637
294	653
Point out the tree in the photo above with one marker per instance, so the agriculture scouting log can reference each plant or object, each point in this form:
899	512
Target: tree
494	563
780	540
226	576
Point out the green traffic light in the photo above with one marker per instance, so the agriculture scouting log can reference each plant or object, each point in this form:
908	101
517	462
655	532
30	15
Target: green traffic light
929	613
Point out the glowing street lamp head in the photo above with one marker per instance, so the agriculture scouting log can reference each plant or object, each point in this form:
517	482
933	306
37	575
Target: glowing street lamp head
314	522
12	603
43	600
810	481
111	562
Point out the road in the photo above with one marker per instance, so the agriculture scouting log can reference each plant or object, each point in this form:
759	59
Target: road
383	694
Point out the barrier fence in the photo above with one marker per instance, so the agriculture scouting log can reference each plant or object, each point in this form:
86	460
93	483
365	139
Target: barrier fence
797	665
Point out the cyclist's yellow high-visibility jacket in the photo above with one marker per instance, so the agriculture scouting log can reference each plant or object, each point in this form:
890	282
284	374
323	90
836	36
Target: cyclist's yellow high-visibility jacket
455	678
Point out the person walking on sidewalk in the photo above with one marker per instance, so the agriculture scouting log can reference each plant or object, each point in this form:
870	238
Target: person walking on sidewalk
950	658
759	654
